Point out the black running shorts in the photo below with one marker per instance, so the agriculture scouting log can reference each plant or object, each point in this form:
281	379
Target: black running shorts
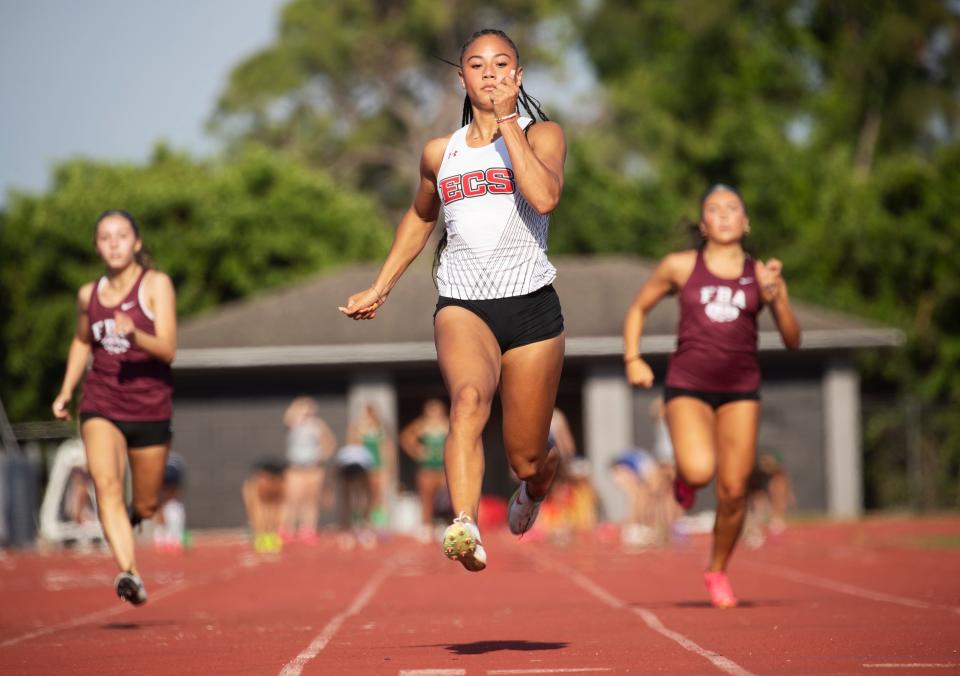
714	399
138	433
517	320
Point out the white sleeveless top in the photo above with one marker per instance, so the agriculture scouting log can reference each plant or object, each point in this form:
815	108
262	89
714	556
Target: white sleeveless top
496	242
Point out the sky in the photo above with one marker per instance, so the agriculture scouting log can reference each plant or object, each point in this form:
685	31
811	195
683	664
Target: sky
111	78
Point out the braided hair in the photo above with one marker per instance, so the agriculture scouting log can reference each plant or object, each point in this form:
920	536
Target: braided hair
530	104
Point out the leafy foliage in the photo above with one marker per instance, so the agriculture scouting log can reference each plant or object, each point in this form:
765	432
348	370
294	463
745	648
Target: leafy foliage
357	86
220	231
837	119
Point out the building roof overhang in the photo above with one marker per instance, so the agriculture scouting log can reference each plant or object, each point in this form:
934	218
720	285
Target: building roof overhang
820	340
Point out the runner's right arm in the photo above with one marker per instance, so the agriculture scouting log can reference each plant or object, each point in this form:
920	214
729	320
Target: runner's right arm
77	357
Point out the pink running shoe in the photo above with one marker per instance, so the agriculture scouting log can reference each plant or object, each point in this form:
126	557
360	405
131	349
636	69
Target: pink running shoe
683	492
721	595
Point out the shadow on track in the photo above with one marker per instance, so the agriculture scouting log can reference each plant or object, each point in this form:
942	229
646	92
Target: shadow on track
483	647
126	626
706	604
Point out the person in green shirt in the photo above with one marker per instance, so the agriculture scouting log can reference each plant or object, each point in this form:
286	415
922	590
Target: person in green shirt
369	431
423	440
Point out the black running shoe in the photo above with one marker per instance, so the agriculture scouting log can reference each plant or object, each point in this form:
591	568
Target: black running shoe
135	519
130	588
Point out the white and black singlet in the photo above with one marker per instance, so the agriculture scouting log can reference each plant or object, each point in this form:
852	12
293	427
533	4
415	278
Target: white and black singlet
495	261
496	242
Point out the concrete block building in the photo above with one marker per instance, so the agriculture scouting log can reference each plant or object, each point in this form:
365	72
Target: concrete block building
239	365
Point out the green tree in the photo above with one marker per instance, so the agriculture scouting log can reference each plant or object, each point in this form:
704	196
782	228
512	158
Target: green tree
884	75
220	231
838	120
357	86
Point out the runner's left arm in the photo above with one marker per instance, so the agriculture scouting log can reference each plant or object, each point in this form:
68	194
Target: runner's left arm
162	301
773	288
537	153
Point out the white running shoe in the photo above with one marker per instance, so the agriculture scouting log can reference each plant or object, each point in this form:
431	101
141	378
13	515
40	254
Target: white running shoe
130	588
461	542
523	510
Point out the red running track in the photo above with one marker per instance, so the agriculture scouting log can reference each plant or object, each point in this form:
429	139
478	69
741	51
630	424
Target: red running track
877	597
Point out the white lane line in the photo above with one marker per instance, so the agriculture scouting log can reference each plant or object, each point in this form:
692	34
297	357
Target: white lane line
122	606
724	664
433	672
295	666
573	670
844	588
913	665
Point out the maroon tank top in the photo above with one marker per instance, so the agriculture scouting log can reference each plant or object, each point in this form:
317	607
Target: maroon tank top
124	382
717	334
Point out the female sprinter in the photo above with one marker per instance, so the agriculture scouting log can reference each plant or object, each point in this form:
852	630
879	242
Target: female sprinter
127	319
498	322
423	440
712	390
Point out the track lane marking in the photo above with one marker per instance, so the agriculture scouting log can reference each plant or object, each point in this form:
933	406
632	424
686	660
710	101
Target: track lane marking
174	587
295	666
845	588
724	664
92	617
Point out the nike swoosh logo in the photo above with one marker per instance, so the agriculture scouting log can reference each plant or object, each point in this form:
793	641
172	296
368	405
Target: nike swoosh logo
745	280
127	306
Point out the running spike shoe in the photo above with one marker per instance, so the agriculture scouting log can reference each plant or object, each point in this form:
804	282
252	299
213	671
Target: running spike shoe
130	588
461	542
